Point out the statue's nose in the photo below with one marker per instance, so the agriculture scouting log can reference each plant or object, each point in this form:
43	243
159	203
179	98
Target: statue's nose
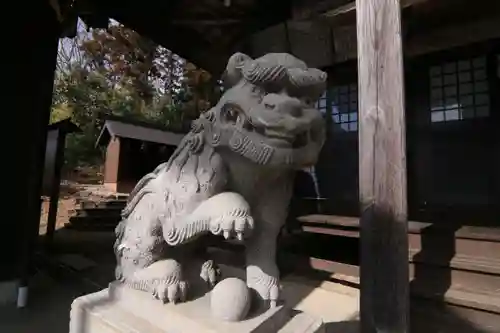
283	104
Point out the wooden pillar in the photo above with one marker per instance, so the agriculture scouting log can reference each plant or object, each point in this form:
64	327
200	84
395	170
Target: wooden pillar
30	92
495	114
382	168
55	189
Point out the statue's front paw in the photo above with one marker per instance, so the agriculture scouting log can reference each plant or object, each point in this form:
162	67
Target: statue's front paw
266	285
239	225
171	292
210	273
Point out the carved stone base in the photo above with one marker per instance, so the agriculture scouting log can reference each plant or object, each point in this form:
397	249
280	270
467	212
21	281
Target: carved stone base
119	309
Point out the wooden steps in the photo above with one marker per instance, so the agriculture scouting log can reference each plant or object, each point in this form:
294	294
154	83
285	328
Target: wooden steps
98	211
433	305
427	243
454	271
430	316
431	284
97	216
95	223
118	203
458	266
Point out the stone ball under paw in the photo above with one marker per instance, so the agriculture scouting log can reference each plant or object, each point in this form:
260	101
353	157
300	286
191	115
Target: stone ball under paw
230	300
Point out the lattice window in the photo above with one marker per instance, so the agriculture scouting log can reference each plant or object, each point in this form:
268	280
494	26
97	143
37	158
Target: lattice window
459	90
344	100
321	104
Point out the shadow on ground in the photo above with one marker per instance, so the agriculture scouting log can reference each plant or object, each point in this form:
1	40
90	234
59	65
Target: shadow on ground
427	314
54	289
48	309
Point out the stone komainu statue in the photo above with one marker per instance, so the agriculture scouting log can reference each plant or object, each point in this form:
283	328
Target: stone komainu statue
232	174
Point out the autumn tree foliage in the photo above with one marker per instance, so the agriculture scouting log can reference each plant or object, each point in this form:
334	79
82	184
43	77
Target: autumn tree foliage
116	71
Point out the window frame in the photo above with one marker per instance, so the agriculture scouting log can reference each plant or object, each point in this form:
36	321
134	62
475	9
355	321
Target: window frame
424	62
341	75
422	133
447	90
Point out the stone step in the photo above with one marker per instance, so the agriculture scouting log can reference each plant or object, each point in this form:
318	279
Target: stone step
103	204
98	212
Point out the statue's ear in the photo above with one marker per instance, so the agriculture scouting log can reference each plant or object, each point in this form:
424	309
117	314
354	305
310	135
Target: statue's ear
233	75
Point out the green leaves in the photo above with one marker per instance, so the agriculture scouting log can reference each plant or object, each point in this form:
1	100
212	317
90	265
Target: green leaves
120	72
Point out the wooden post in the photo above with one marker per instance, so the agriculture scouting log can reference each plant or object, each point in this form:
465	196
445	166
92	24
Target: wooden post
55	189
37	60
382	169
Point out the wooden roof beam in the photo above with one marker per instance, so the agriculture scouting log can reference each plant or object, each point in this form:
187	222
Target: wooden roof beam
351	7
205	22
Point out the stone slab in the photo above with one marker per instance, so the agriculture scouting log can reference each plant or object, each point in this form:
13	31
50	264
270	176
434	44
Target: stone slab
119	309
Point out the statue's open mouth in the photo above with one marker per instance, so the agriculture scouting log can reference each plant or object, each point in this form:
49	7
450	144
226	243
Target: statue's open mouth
281	139
269	131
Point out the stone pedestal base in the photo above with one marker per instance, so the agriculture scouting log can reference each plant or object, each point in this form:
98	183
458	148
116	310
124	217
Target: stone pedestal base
119	309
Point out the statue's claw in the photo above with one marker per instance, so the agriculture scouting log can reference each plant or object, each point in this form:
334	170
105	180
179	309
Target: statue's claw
183	291
238	226
171	293
210	273
160	292
274	296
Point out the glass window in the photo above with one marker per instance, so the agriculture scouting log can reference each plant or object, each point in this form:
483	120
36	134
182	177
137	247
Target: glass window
321	104
459	90
344	99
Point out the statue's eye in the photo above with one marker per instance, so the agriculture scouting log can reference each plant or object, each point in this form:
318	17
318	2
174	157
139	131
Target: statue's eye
309	102
231	113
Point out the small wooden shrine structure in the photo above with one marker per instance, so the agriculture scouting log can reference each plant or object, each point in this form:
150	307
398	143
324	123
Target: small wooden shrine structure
132	150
